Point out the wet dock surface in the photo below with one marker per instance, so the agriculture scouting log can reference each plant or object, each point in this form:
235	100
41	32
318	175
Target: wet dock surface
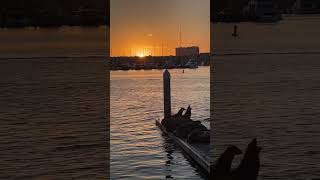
198	152
203	149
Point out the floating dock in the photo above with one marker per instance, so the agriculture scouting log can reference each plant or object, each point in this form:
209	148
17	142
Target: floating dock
198	152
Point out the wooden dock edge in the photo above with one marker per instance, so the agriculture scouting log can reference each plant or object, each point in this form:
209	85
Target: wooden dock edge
192	152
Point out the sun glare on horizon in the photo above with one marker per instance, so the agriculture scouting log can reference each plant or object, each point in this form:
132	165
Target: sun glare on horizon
156	28
141	55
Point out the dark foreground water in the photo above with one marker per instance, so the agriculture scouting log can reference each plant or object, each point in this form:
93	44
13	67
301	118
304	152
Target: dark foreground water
53	108
272	92
276	99
53	119
138	149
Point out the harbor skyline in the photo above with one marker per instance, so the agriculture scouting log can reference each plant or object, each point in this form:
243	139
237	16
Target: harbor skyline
156	28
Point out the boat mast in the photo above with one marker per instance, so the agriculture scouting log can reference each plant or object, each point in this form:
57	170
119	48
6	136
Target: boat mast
180	39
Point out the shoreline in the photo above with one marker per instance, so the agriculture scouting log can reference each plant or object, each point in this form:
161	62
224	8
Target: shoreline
146	69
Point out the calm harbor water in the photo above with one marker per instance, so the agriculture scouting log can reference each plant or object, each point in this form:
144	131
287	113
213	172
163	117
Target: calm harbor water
53	104
271	91
138	149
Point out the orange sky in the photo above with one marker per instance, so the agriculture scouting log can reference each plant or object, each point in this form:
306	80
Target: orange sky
151	27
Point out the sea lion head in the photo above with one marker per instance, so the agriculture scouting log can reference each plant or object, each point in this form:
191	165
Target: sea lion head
223	165
253	147
233	150
181	111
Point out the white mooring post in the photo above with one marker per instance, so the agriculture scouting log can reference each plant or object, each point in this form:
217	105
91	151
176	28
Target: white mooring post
166	94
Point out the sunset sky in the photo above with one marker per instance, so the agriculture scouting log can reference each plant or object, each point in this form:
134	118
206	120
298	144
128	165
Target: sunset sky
151	27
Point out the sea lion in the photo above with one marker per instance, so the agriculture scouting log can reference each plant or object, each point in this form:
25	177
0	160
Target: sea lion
199	135
179	114
250	164
187	115
221	171
184	129
171	123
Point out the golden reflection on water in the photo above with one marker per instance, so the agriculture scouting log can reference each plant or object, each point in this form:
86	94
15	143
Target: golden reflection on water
136	102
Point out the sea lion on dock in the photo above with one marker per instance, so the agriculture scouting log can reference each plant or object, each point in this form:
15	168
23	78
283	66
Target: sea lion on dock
222	169
200	135
187	115
171	123
182	126
185	128
179	114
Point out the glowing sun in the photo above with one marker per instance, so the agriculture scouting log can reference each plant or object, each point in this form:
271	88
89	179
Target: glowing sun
141	55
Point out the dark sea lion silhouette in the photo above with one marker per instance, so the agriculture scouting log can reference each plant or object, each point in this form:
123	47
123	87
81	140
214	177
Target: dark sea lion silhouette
187	115
186	127
182	126
179	114
199	135
250	164
222	169
171	123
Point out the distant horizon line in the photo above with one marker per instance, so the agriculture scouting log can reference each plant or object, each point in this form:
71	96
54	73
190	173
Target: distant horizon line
156	55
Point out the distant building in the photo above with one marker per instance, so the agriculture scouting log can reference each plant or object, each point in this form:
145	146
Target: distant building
187	51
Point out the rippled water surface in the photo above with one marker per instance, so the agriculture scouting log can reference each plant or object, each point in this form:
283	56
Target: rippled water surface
53	110
274	97
52	119
138	149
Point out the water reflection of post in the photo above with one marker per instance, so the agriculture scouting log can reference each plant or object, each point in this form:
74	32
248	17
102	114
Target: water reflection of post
166	94
169	148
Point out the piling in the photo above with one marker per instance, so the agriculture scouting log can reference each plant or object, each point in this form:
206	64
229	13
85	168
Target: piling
166	94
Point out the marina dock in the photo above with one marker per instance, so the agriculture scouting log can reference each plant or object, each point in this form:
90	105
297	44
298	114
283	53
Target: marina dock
198	152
